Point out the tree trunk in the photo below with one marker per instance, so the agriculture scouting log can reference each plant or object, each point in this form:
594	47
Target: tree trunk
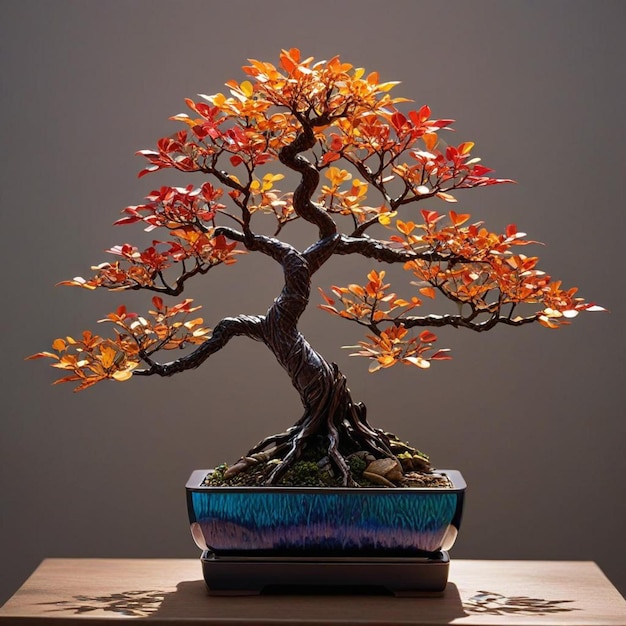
329	411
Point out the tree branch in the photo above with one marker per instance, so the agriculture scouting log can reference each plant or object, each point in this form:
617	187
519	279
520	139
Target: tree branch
290	156
376	249
228	328
317	254
458	321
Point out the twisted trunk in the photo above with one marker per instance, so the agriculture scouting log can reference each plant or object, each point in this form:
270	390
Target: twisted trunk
329	411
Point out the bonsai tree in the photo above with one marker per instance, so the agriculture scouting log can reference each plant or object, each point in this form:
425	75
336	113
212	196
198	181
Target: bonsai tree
360	166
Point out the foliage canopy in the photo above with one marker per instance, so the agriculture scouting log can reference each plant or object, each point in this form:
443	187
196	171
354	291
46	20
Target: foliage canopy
363	159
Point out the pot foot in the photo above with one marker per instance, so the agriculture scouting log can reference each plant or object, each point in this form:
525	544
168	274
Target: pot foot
400	576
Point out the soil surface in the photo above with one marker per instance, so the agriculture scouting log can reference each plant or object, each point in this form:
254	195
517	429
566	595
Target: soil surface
408	467
310	474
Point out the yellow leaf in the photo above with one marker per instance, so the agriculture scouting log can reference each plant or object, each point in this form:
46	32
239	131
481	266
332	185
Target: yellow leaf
272	178
122	375
385	218
217	99
247	88
445	196
388	86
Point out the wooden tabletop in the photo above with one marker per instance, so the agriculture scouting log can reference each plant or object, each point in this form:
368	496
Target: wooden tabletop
171	591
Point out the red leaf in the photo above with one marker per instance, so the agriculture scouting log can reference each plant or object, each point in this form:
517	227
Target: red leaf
430	217
427	336
451	153
424	113
127	220
441	123
398	120
329	157
441	355
148	170
480	170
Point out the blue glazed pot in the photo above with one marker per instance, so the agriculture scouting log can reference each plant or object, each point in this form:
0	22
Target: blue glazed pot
256	521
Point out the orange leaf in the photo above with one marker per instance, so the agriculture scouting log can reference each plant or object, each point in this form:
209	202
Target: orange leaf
59	345
67	379
328	300
357	290
406	228
429	292
41	355
430	141
459	218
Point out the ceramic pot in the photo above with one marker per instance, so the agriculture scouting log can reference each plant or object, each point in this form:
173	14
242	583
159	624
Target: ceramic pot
300	521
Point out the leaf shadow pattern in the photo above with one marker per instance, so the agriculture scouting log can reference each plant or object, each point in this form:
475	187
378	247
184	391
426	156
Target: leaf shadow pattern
490	603
128	603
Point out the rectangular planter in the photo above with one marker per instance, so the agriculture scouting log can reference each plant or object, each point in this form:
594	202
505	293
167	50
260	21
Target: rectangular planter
322	521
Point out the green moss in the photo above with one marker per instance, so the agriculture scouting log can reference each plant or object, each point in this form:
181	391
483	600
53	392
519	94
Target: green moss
357	465
303	474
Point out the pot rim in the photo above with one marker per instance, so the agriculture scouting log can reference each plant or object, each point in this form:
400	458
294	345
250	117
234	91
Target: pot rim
197	477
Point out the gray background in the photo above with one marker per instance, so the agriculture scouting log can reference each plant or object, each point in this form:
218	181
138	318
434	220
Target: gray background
533	418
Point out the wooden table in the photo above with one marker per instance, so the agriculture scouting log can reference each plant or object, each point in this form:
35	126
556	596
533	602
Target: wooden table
171	591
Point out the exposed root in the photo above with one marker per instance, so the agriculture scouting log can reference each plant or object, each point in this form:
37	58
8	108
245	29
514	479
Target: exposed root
331	415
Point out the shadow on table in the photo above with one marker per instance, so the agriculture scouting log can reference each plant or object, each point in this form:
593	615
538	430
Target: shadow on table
191	600
292	604
490	603
137	603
